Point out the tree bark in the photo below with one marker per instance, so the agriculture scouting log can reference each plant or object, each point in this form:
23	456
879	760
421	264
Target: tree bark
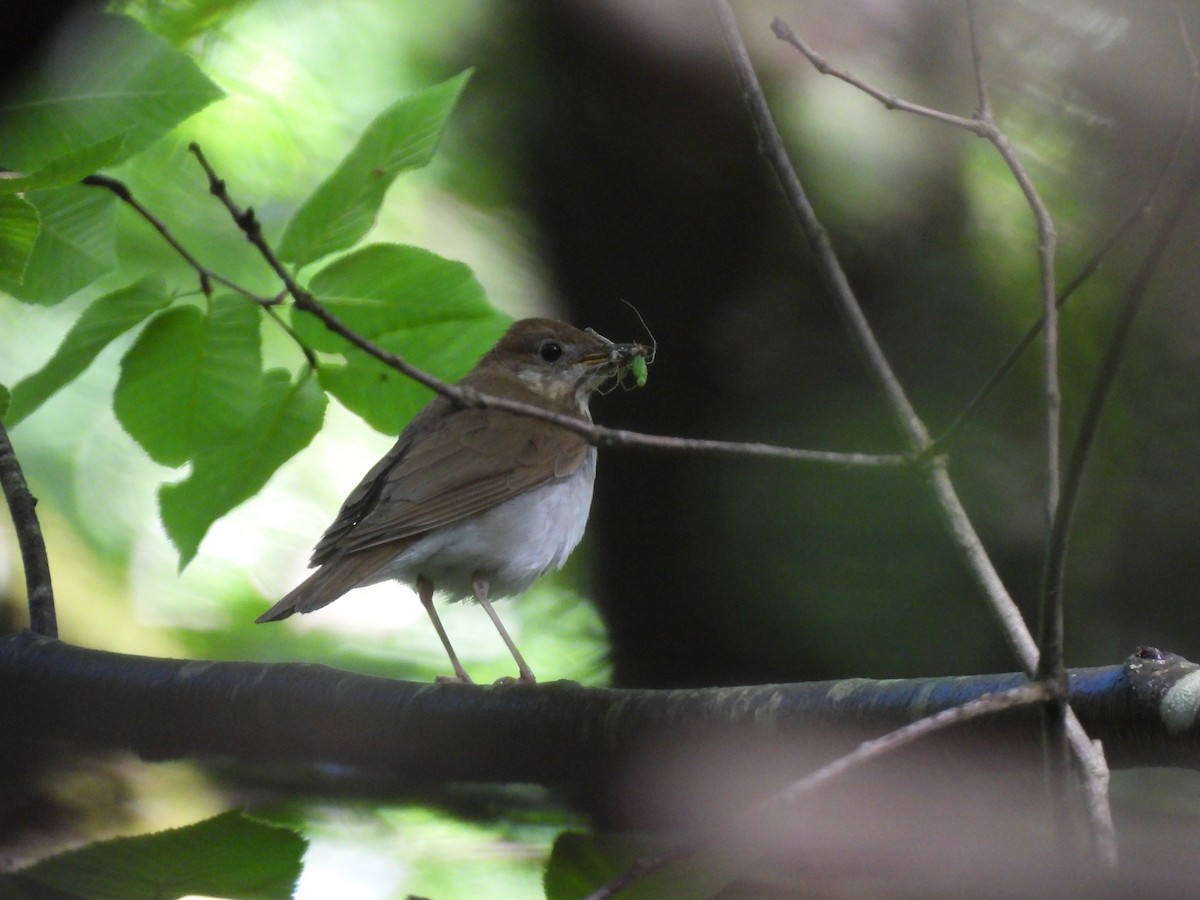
561	734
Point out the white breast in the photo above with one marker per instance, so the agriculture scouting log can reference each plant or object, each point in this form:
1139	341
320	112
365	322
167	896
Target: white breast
510	545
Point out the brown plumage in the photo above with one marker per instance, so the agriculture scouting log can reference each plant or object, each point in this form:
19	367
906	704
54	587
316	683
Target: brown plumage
458	503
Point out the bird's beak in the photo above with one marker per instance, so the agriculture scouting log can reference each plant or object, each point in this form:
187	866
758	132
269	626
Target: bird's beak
613	355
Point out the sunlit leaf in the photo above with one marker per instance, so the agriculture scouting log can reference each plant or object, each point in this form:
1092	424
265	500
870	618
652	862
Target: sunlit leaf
106	77
65	170
18	233
74	246
386	288
106	319
386	399
429	310
344	206
231	472
179	22
226	856
191	379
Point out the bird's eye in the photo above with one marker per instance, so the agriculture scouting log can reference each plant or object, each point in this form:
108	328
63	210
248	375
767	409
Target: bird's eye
550	351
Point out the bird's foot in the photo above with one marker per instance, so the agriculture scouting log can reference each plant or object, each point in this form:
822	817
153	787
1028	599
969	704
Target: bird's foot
524	678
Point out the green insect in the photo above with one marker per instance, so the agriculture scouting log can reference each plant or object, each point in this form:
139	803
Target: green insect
640	370
640	363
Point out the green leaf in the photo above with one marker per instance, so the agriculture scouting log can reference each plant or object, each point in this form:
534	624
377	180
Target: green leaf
5	397
180	22
228	473
226	856
430	310
582	863
385	288
18	234
108	78
344	206
191	379
65	170
105	320
75	244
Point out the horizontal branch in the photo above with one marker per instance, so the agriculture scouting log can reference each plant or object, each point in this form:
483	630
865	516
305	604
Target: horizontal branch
302	715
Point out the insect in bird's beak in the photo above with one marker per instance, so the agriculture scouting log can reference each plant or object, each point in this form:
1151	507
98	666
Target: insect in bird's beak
632	358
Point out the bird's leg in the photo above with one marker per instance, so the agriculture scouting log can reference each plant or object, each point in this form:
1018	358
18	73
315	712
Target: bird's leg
481	594
425	592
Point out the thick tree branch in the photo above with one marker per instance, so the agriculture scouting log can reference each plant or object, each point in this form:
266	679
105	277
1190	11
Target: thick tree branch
310	715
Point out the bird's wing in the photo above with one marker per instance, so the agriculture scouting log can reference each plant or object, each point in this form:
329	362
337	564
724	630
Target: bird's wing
448	475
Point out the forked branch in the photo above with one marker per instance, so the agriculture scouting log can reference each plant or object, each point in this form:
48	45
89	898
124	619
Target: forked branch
953	513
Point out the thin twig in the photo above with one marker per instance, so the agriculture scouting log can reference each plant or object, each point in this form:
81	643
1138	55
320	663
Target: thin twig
21	505
982	124
1047	244
784	32
775	152
596	434
957	521
1056	553
1051	668
867	751
956	518
1141	209
1113	354
247	221
207	276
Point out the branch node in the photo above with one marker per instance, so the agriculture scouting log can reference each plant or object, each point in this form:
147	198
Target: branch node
248	222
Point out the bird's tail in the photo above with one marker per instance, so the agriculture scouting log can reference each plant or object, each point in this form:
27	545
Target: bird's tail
329	582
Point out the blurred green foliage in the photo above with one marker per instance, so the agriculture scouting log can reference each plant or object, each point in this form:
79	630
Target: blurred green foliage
193	388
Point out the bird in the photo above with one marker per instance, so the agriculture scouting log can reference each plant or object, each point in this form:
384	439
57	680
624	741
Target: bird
476	502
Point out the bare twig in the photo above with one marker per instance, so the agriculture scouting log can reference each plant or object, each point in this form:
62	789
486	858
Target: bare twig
982	124
247	221
784	32
1024	695
814	232
957	521
596	434
956	518
21	505
1113	354
1047	244
207	276
1051	668
1140	211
